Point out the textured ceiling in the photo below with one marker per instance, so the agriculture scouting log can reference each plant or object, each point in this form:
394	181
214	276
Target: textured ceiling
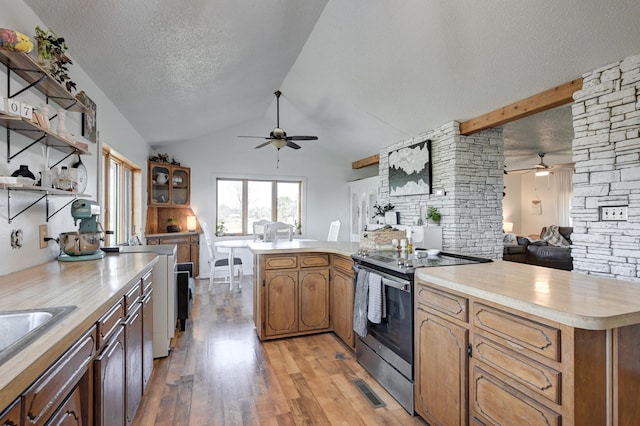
361	74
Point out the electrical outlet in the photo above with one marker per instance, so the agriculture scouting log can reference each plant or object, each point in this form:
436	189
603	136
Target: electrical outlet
617	213
16	239
42	232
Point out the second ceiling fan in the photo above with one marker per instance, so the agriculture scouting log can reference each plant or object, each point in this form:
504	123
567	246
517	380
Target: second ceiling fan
278	138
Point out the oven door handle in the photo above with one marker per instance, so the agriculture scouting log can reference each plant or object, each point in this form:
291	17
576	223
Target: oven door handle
397	285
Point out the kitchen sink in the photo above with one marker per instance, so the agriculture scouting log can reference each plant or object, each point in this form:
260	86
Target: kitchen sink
19	328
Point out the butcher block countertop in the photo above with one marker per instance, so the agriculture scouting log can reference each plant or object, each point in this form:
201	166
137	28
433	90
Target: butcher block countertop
299	246
92	286
574	299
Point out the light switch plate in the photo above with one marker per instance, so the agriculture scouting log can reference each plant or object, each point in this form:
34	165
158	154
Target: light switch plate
613	213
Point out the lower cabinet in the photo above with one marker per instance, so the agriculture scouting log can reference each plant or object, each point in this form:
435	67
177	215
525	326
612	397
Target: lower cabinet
188	248
295	295
342	298
147	337
109	408
63	392
133	361
12	415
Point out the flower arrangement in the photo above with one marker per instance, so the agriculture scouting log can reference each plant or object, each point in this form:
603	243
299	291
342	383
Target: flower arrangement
381	210
51	56
173	224
220	228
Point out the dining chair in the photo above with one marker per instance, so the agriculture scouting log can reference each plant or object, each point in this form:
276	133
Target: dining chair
260	229
222	262
334	230
278	231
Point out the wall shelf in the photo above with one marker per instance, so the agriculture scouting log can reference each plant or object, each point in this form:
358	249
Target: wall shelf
28	69
44	193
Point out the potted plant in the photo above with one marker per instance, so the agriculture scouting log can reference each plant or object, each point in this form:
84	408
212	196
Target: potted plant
52	57
220	228
173	224
433	215
298	226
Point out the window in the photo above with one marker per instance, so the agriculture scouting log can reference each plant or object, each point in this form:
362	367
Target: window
121	187
240	202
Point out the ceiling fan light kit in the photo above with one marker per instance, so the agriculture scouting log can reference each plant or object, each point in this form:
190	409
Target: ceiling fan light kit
278	137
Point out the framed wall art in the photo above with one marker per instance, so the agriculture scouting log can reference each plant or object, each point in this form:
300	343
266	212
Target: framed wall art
88	119
410	170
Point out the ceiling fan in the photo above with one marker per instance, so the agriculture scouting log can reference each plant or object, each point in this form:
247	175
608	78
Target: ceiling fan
542	168
278	138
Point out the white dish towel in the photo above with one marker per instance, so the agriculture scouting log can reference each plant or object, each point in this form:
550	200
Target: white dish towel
377	303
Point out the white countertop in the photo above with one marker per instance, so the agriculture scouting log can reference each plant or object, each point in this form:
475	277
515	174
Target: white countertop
299	246
571	298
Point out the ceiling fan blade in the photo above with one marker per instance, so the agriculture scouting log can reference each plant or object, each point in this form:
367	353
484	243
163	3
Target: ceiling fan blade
257	137
293	145
263	144
302	138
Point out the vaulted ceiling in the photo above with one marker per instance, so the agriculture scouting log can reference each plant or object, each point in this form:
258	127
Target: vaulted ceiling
360	74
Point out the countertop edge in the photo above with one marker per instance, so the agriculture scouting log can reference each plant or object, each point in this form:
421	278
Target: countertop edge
571	319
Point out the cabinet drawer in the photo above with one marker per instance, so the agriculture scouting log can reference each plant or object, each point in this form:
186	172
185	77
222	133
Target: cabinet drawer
281	262
46	394
194	239
343	264
529	374
313	260
109	322
496	403
131	298
146	283
443	302
519	332
175	240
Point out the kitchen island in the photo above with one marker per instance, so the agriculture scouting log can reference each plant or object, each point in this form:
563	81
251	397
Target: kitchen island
93	288
303	287
509	343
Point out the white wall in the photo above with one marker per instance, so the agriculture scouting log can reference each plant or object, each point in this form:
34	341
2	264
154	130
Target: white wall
113	127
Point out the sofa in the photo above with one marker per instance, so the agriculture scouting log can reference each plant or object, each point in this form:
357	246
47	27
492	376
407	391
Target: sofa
540	252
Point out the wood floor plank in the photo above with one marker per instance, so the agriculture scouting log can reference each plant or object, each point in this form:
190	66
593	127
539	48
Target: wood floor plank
219	373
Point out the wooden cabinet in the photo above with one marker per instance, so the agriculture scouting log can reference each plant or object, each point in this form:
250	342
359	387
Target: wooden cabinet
441	359
147	330
169	185
109	409
12	415
342	298
74	411
294	298
188	247
133	361
481	363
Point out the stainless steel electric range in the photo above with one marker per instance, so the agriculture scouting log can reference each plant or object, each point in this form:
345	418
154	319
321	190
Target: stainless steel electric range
386	351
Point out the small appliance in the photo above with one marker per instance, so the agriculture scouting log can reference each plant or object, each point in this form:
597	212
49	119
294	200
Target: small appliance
83	244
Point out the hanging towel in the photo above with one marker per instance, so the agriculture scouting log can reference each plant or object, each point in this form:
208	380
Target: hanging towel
376	299
360	303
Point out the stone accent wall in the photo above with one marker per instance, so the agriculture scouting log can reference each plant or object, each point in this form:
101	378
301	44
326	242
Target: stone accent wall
469	169
606	150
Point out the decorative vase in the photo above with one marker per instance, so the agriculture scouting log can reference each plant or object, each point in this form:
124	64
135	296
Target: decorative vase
173	228
43	55
23	171
62	123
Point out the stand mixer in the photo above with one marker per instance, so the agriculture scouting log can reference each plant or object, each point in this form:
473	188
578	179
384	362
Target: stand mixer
85	243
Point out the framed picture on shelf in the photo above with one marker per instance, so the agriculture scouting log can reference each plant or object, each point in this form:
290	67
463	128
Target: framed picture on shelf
88	119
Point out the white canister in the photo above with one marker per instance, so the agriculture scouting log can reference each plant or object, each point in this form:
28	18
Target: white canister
45	179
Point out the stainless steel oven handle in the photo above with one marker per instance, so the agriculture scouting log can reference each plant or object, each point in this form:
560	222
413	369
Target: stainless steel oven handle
388	280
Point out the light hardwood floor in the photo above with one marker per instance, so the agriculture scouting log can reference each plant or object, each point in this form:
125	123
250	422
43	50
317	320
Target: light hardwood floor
220	374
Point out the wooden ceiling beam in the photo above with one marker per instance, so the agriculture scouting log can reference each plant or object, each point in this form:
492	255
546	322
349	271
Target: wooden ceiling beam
373	159
543	101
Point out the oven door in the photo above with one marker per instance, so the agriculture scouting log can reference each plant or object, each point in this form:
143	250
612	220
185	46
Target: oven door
396	329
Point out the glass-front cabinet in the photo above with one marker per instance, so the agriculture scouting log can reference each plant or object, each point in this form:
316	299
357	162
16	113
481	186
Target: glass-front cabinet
169	185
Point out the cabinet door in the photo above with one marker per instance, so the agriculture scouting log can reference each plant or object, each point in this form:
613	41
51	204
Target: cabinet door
194	251
147	338
342	293
159	185
281	309
11	416
314	300
75	409
180	187
441	370
110	383
133	359
183	250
